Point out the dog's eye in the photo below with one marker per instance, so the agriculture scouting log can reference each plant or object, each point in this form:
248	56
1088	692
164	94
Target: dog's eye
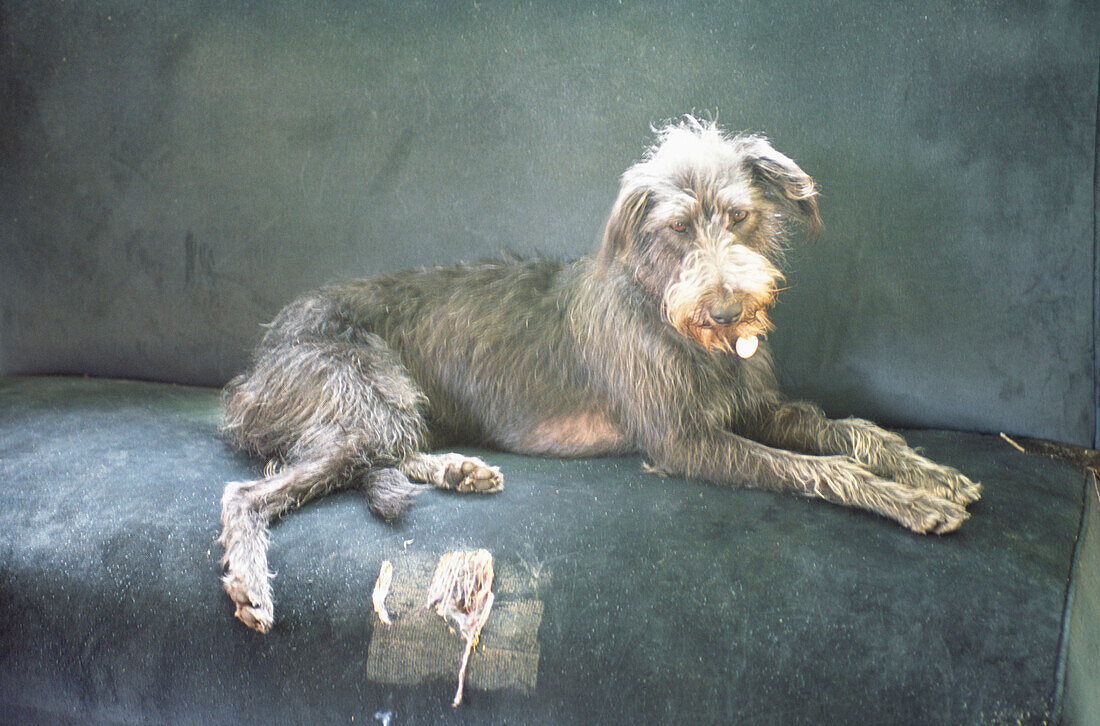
739	216
678	227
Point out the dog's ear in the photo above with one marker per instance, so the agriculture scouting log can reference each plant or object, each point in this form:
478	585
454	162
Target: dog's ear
625	222
783	181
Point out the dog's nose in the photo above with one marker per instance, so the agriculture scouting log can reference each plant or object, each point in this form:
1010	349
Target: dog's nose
724	313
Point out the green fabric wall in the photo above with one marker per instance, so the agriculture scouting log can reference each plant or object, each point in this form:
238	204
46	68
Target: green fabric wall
171	174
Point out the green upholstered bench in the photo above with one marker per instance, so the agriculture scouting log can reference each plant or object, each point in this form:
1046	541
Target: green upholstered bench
621	597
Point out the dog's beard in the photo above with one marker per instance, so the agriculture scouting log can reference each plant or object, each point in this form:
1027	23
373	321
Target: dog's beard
705	277
693	323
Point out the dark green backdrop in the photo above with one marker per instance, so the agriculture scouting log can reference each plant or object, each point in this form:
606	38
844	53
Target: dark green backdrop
171	174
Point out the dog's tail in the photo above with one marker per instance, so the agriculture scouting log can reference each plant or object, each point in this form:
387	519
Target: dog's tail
389	492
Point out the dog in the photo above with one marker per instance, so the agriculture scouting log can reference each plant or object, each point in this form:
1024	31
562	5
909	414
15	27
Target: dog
652	345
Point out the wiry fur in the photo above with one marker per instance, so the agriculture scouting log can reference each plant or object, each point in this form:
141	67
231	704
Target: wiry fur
625	351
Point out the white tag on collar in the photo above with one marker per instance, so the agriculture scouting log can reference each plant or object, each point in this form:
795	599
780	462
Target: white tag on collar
746	346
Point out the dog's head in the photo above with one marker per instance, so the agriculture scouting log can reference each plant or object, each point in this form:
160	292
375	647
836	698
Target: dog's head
700	224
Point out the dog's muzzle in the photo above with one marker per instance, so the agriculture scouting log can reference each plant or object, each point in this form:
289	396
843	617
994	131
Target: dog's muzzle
720	299
726	312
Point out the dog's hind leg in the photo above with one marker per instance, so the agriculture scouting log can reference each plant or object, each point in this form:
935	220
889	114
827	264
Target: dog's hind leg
247	510
340	412
249	507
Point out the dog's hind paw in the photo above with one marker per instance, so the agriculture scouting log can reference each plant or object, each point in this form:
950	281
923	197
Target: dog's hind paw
454	471
254	609
473	475
258	618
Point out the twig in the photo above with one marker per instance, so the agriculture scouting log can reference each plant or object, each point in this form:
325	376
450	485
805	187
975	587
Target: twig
1012	443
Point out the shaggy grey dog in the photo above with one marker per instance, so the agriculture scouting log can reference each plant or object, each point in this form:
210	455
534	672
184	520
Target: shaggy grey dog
652	345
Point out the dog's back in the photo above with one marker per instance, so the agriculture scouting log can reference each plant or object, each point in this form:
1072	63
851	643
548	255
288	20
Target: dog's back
493	346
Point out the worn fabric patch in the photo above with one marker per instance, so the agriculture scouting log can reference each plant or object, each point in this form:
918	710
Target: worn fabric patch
419	646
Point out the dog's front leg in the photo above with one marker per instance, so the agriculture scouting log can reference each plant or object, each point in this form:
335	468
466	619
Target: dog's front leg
804	427
725	458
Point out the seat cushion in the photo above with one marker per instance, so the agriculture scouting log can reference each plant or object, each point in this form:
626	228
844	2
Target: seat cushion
621	597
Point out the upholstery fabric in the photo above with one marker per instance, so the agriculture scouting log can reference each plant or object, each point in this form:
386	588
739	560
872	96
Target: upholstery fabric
1079	702
622	597
171	174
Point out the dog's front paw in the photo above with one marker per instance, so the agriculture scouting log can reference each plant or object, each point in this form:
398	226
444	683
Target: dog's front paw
254	605
926	513
943	481
955	486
